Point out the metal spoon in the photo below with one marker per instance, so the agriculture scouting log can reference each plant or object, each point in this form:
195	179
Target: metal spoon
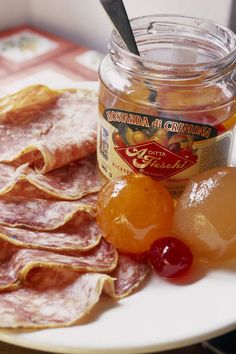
116	11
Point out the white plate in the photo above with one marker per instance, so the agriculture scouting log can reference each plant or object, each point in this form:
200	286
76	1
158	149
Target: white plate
160	316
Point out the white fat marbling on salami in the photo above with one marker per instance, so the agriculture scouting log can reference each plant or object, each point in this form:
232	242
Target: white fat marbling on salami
81	233
49	135
61	297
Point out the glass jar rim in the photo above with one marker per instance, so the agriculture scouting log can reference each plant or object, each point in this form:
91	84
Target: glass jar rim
205	69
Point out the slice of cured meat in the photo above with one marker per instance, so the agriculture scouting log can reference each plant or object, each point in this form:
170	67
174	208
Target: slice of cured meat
69	182
50	132
61	297
41	214
16	107
16	262
10	176
129	273
81	233
54	263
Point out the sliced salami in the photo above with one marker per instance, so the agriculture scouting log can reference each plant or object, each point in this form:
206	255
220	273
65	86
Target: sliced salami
69	182
61	297
129	273
10	176
54	262
41	214
16	262
51	298
22	105
81	233
72	181
63	131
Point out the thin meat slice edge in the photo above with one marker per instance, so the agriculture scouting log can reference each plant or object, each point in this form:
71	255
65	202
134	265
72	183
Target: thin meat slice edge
62	297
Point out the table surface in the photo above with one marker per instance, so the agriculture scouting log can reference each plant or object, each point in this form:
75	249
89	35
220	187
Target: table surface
12	349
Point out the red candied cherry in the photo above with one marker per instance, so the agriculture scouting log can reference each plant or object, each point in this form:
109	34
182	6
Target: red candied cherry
170	257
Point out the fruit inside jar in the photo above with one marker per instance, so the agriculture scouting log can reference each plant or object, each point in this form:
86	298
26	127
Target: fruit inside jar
192	140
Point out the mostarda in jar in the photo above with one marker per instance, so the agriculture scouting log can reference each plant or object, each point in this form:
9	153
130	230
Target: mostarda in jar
169	113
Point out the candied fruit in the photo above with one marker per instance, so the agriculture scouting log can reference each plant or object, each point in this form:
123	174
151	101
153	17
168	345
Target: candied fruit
170	257
204	216
133	211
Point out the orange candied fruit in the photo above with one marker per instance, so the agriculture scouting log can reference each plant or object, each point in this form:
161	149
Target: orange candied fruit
133	211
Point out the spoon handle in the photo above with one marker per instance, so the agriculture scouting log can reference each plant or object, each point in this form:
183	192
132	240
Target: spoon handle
116	11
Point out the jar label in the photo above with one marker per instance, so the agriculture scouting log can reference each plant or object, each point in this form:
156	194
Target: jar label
164	148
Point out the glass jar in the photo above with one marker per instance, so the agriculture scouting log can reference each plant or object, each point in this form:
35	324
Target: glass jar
169	112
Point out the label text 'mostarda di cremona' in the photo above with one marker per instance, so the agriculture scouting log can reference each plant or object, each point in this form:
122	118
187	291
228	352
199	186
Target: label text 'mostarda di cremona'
202	131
